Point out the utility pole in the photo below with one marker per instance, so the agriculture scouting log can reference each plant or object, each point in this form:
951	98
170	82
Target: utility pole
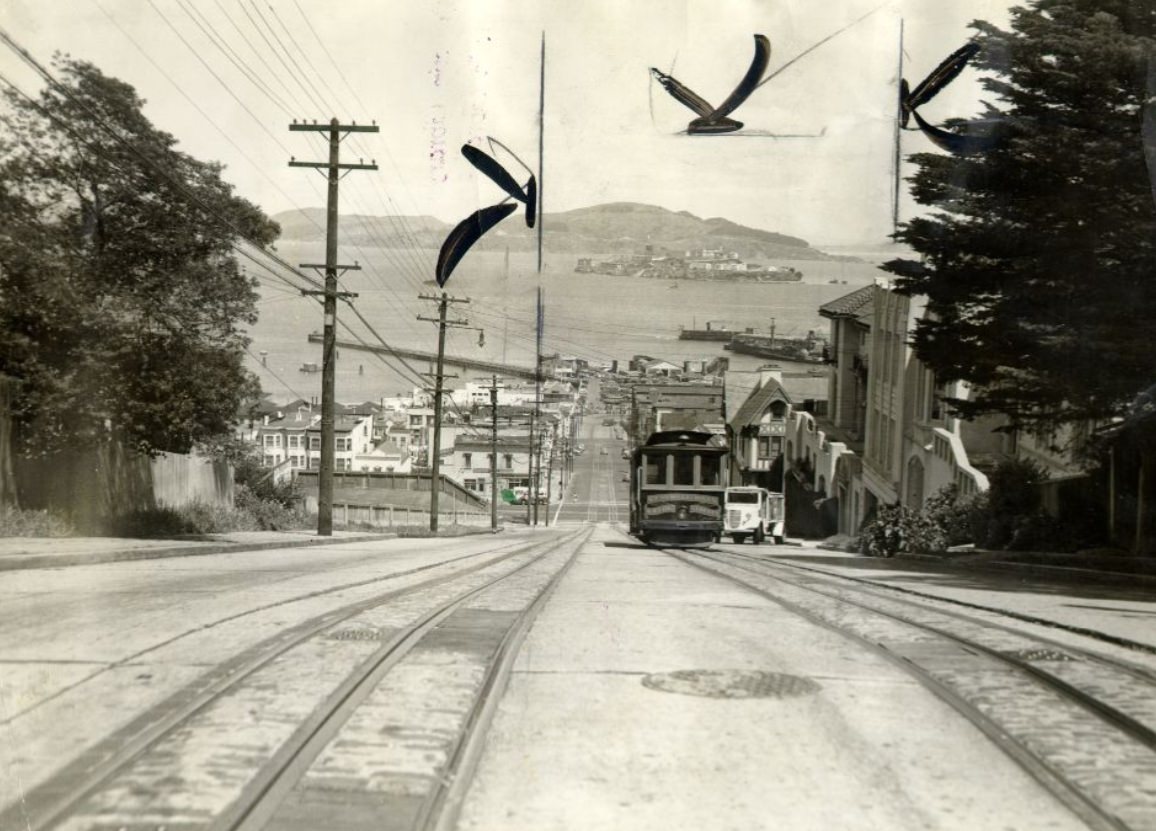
435	456
494	453
530	475
550	468
331	170
897	161
536	469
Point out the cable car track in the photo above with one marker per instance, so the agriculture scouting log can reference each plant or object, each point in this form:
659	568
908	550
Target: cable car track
1076	720
89	792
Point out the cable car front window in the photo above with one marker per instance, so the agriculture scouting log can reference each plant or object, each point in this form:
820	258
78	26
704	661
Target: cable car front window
683	469
709	475
655	469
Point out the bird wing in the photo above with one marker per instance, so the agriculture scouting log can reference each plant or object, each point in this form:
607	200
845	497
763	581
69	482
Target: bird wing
750	81
682	93
941	76
493	169
958	144
467	232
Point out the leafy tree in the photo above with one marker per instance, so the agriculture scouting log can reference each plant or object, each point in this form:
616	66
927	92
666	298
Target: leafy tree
1039	264
121	303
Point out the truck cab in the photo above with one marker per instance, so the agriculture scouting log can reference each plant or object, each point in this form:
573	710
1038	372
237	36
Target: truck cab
753	512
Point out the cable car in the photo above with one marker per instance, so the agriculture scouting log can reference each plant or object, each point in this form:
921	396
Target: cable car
678	489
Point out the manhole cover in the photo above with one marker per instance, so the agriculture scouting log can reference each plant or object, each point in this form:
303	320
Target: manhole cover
731	683
355	635
1040	654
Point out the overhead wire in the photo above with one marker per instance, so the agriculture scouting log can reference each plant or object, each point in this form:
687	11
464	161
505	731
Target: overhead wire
272	372
316	102
157	169
47	76
385	145
285	86
225	49
229	89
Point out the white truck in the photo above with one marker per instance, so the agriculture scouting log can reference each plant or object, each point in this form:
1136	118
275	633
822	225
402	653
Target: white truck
753	512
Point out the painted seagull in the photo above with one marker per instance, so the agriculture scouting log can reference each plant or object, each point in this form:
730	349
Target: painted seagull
473	227
960	144
714	119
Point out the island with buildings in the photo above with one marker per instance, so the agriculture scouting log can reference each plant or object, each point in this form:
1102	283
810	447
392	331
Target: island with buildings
696	264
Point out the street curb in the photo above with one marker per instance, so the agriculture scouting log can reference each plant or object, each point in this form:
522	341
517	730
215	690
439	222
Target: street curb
1037	569
995	564
20	562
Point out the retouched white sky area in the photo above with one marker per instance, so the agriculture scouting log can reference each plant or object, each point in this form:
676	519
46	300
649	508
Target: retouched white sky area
437	74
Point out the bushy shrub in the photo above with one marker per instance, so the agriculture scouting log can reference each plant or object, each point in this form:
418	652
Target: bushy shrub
17	522
1008	516
888	533
270	514
959	520
151	523
945	520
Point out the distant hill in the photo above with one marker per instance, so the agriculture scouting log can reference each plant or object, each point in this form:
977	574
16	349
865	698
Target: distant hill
615	227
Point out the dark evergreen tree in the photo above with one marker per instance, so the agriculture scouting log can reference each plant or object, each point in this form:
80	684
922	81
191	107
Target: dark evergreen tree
122	305
1039	264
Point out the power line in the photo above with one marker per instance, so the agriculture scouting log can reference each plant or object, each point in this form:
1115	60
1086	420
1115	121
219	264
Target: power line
292	97
259	168
226	50
163	175
314	101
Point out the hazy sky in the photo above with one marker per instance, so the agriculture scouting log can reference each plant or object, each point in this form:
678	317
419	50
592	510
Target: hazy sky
437	74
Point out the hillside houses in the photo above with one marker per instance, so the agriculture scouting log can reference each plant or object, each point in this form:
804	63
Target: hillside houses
394	435
884	435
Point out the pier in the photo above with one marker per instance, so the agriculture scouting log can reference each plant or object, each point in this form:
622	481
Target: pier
420	355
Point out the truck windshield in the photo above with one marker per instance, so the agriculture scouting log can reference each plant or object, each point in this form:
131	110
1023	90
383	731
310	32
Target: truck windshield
743	498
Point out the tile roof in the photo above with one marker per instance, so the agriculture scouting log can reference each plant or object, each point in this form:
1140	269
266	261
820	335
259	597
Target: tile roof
855	304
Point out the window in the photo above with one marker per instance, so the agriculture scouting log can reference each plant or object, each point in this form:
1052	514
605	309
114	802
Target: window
467	460
315	442
684	469
711	473
770	446
743	498
509	461
655	469
471	485
270	461
314	463
294	441
344	444
272	440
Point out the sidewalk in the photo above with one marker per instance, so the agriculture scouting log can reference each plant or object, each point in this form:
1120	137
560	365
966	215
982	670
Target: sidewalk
55	552
1112	566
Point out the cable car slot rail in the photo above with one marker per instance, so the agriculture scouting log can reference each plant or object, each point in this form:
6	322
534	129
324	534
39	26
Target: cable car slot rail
138	778
1053	693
